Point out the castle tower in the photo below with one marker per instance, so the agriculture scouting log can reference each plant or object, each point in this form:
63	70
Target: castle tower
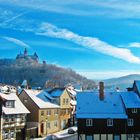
25	52
35	54
36	57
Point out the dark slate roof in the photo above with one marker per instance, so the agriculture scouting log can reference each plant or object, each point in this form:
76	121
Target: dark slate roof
131	99
90	106
45	96
56	92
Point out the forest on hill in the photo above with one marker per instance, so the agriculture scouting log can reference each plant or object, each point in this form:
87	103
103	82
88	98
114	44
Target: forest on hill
14	71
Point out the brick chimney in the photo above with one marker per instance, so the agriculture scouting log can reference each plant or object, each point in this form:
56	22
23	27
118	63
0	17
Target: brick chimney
101	90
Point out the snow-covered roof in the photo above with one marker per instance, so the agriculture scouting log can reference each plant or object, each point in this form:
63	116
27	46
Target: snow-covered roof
131	99
39	102
56	92
35	92
7	96
89	105
19	107
73	102
45	96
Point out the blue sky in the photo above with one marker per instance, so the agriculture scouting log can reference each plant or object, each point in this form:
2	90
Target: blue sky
97	38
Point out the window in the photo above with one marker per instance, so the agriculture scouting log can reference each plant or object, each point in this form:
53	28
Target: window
12	118
67	101
48	112
6	135
64	101
109	122
89	137
48	125
12	134
134	110
55	123
117	137
10	104
23	118
130	122
6	118
56	111
18	115
130	136
89	122
42	113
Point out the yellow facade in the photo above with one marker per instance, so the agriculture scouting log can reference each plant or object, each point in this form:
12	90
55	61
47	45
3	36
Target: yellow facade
50	121
65	107
47	119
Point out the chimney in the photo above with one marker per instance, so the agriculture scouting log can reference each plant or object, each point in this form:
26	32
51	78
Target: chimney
101	90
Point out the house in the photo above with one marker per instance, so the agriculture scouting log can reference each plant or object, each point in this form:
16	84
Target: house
108	115
65	98
72	93
132	105
44	115
13	116
62	97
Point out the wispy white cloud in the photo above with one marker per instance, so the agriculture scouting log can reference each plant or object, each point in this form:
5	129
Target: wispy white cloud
111	8
67	7
92	43
13	18
16	41
134	45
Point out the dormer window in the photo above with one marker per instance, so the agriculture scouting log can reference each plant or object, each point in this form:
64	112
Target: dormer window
89	122
110	122
130	122
10	104
64	101
134	110
67	101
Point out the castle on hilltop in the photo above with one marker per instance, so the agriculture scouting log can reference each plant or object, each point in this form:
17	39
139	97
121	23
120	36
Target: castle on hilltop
26	56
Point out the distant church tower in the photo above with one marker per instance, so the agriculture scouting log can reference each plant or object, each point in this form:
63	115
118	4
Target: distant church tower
36	57
35	54
25	52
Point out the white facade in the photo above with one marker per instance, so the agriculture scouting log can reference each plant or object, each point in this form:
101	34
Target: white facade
13	117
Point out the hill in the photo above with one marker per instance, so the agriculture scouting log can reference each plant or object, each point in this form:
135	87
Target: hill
14	71
122	82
